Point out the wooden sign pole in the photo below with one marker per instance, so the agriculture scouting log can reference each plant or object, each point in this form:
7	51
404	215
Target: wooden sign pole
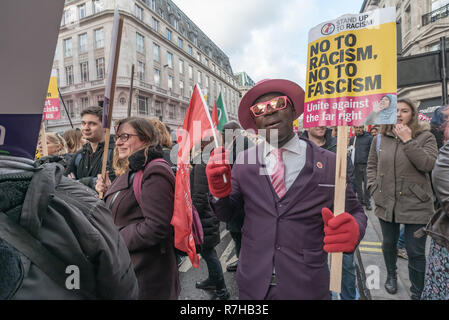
111	104
339	202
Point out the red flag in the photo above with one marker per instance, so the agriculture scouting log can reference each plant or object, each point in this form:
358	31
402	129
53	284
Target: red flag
215	115
197	124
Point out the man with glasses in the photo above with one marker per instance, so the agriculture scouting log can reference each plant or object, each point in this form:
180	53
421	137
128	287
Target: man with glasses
286	186
87	162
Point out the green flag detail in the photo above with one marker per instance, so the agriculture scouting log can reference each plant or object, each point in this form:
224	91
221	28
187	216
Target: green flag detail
222	113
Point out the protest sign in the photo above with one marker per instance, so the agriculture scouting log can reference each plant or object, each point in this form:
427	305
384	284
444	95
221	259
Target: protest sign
351	71
351	81
24	76
52	110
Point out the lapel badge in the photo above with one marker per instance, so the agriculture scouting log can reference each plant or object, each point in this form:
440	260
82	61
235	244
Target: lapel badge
319	165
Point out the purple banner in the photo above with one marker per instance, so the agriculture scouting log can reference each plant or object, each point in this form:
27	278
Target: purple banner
19	134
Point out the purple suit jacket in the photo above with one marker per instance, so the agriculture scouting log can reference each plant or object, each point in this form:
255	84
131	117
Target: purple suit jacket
284	233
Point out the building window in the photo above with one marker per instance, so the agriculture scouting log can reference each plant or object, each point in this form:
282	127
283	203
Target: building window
84	102
68	47
69	75
156	53
99	64
157	77
138	12
168	34
190	90
96	6
152	4
142	105
408	18
198	56
170	59
181	66
70	109
170	83
140	43
207	81
171	111
67	16
180	43
155	24
191	72
99	38
199	77
158	109
437	4
183	112
81	11
82	41
181	87
84	68
161	13
141	70
189	50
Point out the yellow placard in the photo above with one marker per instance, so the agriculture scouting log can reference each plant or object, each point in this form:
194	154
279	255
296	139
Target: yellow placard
352	63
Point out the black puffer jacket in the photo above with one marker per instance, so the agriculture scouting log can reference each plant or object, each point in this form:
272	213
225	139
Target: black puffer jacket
200	189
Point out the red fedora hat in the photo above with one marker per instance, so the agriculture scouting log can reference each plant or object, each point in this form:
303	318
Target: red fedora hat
287	87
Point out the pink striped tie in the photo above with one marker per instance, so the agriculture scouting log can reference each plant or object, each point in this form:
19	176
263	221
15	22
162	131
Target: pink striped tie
277	178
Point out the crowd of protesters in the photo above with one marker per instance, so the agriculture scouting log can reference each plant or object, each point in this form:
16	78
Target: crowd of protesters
399	172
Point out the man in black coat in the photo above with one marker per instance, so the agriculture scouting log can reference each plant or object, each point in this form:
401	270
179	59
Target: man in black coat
362	144
86	164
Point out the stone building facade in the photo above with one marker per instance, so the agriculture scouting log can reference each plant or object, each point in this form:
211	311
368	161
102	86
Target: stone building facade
421	24
169	52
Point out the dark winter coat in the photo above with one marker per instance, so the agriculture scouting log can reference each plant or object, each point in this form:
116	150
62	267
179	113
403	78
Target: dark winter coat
86	164
199	192
362	147
72	224
146	230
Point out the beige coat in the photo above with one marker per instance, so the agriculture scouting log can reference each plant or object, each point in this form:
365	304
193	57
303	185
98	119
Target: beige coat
398	178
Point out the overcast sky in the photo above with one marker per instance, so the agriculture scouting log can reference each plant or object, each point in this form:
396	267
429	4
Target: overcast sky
265	38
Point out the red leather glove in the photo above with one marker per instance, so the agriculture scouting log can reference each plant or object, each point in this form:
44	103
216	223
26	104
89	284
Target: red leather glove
341	233
217	166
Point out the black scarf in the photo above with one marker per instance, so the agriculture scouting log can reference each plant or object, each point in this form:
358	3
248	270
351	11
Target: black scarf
138	160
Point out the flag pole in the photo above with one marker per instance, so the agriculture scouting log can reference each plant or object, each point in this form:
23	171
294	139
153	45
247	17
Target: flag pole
110	88
214	130
65	108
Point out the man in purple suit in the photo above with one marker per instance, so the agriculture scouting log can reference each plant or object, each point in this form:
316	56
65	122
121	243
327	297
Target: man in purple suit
286	187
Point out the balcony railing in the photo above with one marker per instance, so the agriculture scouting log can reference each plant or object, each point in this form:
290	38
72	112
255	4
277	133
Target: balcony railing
435	15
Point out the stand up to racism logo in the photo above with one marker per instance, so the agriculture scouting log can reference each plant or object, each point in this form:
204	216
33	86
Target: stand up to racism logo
327	29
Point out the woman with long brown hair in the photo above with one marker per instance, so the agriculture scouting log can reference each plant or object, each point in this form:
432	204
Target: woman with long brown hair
144	219
400	160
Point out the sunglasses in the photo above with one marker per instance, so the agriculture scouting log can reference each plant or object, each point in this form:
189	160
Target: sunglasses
278	103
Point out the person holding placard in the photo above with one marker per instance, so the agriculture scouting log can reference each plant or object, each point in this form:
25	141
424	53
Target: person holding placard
398	180
286	186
